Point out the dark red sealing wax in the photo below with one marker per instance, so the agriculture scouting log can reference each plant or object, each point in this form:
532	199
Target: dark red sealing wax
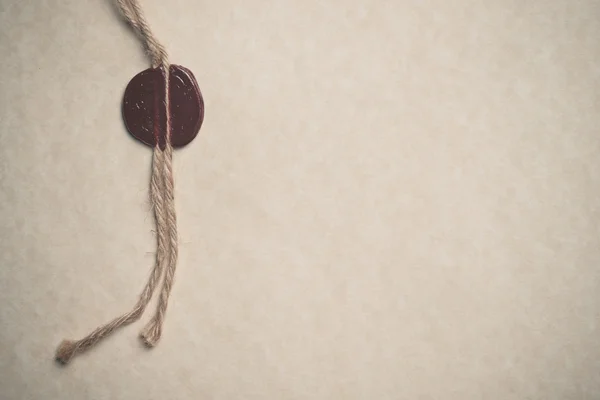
145	113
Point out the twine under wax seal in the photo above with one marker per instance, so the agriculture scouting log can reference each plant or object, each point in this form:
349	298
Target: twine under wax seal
162	199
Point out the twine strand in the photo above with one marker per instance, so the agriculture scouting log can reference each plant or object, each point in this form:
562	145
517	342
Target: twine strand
152	332
162	199
68	348
132	12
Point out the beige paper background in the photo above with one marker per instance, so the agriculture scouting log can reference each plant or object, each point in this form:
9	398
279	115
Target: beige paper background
388	200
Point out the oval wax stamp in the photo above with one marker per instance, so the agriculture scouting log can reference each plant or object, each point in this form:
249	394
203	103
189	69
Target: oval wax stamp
145	113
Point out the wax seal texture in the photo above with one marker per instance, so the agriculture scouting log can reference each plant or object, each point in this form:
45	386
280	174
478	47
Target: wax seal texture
145	113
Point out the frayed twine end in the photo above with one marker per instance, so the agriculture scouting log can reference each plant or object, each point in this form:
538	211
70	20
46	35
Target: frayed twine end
66	350
150	335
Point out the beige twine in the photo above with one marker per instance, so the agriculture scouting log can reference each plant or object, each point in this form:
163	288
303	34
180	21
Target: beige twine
162	199
132	12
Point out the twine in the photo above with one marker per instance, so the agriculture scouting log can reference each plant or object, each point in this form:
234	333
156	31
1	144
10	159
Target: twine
162	199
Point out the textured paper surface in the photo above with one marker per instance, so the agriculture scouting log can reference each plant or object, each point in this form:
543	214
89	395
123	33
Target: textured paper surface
387	200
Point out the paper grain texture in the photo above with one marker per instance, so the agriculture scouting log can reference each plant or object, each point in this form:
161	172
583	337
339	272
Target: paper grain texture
387	200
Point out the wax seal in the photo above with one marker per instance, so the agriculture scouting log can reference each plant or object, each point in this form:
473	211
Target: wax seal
145	111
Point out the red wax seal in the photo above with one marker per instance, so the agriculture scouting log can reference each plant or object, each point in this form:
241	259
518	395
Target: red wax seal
145	112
